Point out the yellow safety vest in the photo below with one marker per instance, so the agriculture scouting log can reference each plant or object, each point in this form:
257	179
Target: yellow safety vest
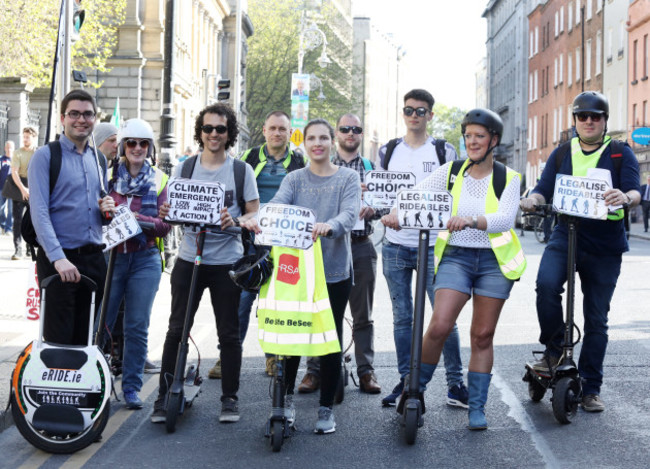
581	163
294	313
506	245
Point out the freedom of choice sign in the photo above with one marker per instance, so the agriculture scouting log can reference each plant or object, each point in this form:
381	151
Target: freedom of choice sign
285	225
424	210
580	196
197	202
383	187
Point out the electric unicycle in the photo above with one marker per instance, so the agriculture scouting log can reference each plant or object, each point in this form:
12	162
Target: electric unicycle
60	394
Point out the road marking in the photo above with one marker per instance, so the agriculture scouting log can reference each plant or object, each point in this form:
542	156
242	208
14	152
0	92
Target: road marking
518	413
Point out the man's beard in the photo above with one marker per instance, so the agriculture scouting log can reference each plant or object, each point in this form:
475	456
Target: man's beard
350	147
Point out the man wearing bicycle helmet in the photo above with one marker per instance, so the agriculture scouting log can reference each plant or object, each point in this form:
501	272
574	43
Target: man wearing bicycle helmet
600	243
215	131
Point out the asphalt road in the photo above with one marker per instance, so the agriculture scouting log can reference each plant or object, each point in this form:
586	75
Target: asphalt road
521	434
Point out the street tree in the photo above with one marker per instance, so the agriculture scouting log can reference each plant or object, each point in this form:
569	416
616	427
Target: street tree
446	124
273	56
28	32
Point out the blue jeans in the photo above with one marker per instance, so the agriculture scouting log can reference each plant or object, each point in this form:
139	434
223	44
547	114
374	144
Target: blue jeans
136	277
598	276
6	221
399	262
246	301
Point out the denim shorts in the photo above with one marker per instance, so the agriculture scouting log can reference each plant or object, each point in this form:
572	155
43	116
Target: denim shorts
472	271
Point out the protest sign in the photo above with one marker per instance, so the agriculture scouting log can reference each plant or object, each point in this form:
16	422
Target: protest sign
424	210
285	225
123	226
197	202
383	187
580	197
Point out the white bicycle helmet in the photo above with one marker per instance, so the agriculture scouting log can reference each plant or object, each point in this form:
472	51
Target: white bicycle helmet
136	128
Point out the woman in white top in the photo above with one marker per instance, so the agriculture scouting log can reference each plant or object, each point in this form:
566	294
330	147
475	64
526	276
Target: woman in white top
478	256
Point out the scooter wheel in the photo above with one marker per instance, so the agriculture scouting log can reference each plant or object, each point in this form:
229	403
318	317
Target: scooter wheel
277	435
411	423
340	388
174	402
535	390
59	444
565	399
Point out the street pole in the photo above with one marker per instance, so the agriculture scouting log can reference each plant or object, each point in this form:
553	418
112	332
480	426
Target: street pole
167	140
67	49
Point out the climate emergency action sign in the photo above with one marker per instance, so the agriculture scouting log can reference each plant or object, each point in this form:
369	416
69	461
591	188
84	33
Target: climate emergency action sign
285	225
383	187
580	197
193	201
424	210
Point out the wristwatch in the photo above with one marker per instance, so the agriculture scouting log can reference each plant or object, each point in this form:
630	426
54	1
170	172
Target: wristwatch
475	221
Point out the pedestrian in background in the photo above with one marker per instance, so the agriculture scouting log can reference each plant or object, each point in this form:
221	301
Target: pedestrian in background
19	165
6	221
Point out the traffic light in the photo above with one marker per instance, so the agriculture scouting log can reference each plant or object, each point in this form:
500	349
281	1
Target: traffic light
78	16
223	85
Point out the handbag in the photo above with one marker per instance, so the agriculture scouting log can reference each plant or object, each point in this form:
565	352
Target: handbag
11	191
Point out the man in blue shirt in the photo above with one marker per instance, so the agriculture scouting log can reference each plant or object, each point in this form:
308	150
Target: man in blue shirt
68	222
5	203
600	243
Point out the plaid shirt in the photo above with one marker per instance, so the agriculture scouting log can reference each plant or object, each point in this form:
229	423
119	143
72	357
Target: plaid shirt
357	164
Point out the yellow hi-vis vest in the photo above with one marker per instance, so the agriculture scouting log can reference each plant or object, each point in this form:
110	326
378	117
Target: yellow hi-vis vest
294	313
506	245
581	163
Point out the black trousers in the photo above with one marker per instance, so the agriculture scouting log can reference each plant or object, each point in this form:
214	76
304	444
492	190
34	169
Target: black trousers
67	304
330	365
225	303
18	212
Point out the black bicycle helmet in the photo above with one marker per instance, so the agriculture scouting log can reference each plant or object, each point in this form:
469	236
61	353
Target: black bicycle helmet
591	101
252	271
488	119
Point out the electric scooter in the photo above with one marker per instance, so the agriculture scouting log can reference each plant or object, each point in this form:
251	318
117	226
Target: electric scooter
60	394
186	385
563	379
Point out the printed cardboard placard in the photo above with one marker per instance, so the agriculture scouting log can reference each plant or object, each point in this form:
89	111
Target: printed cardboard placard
193	201
383	187
285	225
33	300
123	226
424	210
580	197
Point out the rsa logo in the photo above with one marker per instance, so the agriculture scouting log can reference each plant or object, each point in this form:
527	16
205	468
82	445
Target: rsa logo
288	271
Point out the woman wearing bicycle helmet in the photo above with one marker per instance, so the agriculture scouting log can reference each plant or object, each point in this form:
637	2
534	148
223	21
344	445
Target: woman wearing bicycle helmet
138	265
479	255
334	194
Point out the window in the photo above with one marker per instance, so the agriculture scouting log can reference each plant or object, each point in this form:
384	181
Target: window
535	132
531	47
557	23
554	125
635	45
535	86
559	123
622	39
569	69
599	48
577	12
635	121
542	140
536	39
645	57
610	45
589	9
529	133
569	116
599	6
561	19
556	70
543	93
577	65
644	116
561	73
588	60
569	23
530	88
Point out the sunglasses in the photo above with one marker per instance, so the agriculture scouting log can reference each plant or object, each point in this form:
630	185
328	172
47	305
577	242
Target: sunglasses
583	116
131	143
345	129
221	129
74	115
420	112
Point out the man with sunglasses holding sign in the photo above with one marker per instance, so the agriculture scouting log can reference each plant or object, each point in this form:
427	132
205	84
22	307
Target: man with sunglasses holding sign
418	153
600	243
215	131
67	218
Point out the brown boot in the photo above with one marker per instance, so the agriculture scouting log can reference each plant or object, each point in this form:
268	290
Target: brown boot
368	383
309	384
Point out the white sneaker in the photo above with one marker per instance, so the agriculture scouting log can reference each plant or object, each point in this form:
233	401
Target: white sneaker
326	423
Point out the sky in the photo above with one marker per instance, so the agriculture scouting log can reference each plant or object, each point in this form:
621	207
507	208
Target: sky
444	40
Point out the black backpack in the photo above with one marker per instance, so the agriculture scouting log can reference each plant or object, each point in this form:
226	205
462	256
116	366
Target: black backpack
498	176
616	154
439	143
27	227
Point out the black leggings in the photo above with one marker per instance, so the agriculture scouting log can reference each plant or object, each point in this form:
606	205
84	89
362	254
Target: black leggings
330	365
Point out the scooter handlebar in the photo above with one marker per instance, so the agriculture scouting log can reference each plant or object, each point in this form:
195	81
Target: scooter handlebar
87	281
